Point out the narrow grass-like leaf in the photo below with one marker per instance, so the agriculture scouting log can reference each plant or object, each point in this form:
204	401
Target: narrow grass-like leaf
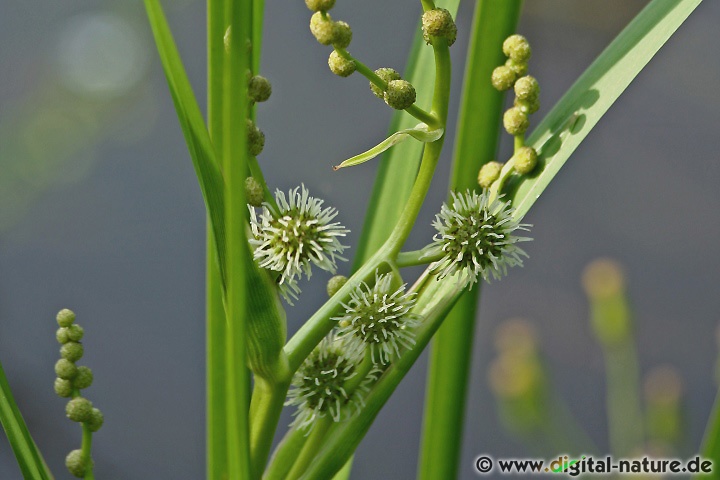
475	144
26	452
193	126
420	132
579	110
398	168
235	166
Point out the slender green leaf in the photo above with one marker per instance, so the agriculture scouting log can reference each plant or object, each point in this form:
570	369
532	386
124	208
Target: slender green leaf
579	110
193	126
420	132
398	168
216	326
475	144
26	452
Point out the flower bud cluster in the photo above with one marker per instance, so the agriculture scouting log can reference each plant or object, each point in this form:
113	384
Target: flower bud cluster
399	93
332	32
438	23
516	120
70	380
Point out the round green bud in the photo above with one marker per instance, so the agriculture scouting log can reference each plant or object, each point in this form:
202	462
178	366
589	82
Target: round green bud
527	88
259	88
517	48
438	22
63	388
72	351
387	74
77	464
489	173
83	379
503	78
62	335
253	192
343	35
520	68
400	94
528	106
75	333
516	121
525	160
335	284
323	28
65	369
79	409
65	317
341	66
96	420
320	5
255	139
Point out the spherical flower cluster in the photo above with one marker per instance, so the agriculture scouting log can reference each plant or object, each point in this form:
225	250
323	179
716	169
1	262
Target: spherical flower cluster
294	237
476	237
319	387
438	23
378	317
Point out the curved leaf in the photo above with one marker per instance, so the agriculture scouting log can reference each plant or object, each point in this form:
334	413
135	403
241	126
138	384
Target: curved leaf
419	132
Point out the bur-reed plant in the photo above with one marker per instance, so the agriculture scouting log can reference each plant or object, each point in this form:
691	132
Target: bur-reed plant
342	365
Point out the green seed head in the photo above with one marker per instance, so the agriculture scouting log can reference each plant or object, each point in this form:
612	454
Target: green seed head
322	28
520	68
527	88
96	420
341	66
63	387
489	173
517	48
259	89
525	160
439	23
254	194
62	335
335	284
387	74
343	35
79	409
516	121
255	139
65	369
65	317
320	5
503	78
72	351
400	94
75	333
77	464
83	379
528	106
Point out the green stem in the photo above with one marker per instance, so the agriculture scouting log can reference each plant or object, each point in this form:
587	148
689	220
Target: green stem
86	449
427	5
431	153
426	117
518	143
623	399
476	144
417	257
265	408
311	447
285	454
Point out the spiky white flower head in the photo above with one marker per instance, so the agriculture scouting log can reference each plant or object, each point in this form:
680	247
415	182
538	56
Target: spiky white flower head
319	387
378	318
476	237
299	234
